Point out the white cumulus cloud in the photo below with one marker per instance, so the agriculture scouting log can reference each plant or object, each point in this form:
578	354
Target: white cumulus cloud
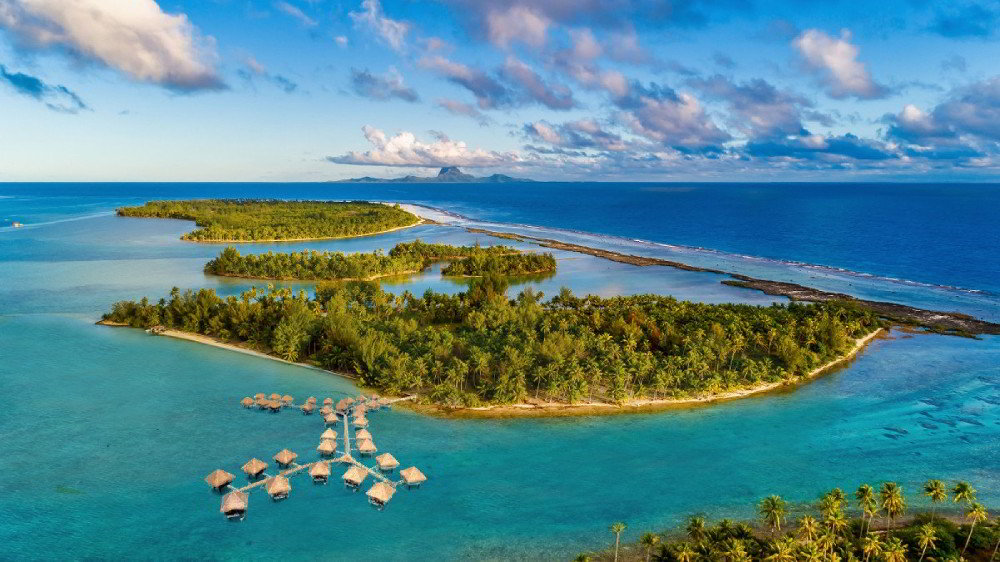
405	150
135	37
837	59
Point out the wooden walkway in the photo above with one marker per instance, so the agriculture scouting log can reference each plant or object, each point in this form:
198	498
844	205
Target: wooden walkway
296	468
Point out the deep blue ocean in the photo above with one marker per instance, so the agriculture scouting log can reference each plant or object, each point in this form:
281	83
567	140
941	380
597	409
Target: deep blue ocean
108	432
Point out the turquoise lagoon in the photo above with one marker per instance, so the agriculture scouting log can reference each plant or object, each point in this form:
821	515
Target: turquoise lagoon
108	432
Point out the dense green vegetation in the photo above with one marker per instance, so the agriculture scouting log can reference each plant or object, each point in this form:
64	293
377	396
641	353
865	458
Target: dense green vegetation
481	347
405	257
508	264
248	220
869	525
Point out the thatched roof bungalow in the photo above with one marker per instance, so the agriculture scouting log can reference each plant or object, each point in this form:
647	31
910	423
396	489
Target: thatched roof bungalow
330	419
307	408
259	396
327	401
247	402
311	400
278	487
234	505
327	447
366	447
412	476
285	457
328	434
219	479
361	422
320	471
386	462
380	494
275	396
362	434
326	410
254	467
355	476
287	399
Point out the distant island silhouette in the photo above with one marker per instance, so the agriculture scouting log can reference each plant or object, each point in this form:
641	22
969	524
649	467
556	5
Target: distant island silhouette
448	174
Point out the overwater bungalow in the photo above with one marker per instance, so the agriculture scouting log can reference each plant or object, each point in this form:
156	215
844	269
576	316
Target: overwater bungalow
326	410
342	407
219	479
360	410
362	434
254	467
275	396
247	402
287	399
285	457
354	477
259	396
386	462
264	404
307	408
327	447
320	472
234	505
349	400
278	487
380	494
412	477
330	419
311	400
366	447
275	405
328	434
361	422
327	401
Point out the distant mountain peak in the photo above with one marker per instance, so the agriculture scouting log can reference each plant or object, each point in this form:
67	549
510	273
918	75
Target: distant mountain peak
446	174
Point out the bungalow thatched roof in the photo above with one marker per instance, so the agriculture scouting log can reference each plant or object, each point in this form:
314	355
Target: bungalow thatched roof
412	475
254	466
327	401
386	461
326	410
320	469
328	434
311	400
362	434
330	419
275	404
342	405
327	446
246	402
259	396
361	422
287	399
355	475
219	478
278	485
349	400
307	407
234	501
366	446
285	456
275	396
381	492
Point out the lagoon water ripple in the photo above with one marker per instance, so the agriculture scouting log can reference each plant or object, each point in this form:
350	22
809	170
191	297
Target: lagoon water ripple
109	432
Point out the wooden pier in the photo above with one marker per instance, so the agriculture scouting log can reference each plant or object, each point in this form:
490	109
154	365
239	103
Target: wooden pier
297	468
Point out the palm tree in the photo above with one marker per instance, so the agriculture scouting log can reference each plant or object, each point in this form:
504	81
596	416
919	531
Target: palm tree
964	492
649	540
871	546
837	523
893	501
617	528
696	528
894	551
685	553
736	552
808	528
811	553
936	491
866	501
784	551
926	537
975	514
772	510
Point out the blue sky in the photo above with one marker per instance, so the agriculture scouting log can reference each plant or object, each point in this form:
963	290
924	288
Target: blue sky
310	90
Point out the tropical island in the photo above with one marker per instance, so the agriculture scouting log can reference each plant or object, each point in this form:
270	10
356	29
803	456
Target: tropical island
866	524
404	258
448	174
480	348
255	220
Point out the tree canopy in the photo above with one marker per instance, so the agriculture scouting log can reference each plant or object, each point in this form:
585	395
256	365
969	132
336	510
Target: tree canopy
248	220
481	347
